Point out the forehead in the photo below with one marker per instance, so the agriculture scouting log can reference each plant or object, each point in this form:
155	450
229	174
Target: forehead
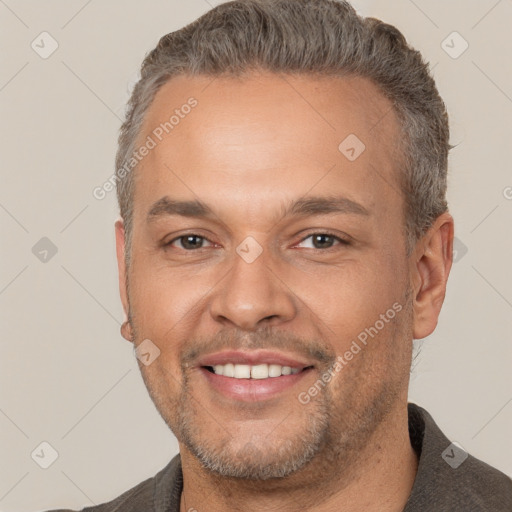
270	135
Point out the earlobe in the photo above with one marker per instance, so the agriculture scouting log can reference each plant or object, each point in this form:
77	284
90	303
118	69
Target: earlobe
126	329
431	267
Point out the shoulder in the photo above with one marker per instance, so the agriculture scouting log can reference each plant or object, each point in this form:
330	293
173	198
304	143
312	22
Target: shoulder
159	492
448	478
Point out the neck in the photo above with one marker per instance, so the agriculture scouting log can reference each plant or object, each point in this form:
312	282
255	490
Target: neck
379	480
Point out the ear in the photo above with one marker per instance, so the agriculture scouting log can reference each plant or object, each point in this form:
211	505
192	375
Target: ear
126	328
431	264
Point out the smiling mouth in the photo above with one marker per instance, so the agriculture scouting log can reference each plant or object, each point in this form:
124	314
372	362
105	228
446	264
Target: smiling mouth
256	372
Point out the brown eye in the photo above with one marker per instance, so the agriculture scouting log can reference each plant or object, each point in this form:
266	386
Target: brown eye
321	241
189	242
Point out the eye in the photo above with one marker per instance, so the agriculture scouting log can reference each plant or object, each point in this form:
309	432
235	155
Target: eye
189	242
324	240
319	241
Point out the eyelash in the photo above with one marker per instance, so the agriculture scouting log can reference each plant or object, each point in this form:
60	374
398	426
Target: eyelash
341	241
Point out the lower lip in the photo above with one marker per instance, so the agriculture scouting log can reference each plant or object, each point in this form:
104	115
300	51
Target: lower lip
252	390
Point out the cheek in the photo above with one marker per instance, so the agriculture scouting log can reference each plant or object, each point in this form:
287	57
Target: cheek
163	297
364	310
358	293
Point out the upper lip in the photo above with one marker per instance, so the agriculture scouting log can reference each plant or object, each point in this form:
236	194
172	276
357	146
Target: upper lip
253	358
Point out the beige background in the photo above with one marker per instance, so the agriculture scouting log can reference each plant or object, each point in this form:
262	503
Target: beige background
67	376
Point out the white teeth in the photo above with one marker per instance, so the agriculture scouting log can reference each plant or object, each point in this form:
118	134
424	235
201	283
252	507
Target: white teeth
229	370
274	370
259	371
242	371
286	370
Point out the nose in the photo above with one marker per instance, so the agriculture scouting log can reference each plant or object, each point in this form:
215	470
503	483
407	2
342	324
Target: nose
253	295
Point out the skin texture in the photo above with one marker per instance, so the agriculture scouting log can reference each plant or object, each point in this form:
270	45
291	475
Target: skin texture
250	147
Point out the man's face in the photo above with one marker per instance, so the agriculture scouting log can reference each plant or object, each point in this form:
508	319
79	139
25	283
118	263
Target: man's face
255	281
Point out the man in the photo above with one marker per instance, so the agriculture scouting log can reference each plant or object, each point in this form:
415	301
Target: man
284	237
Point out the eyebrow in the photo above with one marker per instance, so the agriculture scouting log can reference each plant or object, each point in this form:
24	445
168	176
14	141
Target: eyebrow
300	208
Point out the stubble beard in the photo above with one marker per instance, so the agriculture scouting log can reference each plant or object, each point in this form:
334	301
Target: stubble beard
333	434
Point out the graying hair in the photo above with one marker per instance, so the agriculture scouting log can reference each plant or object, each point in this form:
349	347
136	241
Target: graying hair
323	37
